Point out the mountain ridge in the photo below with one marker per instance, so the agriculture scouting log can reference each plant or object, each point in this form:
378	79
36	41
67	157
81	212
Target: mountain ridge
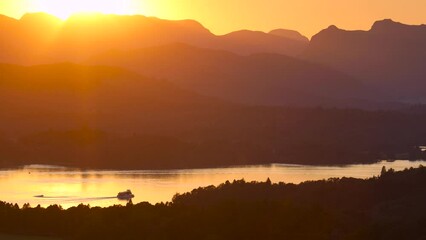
259	79
390	55
388	58
81	36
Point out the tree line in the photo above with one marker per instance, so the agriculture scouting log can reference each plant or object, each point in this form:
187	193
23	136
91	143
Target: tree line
390	206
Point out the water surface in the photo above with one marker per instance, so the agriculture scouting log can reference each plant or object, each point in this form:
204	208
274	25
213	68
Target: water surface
70	187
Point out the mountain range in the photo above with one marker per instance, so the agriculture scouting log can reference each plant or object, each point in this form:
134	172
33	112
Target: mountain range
382	68
41	38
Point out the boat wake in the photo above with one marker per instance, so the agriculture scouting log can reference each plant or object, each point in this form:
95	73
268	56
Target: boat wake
43	196
73	198
126	195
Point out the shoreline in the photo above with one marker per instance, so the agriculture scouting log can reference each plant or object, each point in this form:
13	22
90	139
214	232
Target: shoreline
79	168
240	209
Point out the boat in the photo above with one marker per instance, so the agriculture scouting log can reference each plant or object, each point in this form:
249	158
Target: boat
126	195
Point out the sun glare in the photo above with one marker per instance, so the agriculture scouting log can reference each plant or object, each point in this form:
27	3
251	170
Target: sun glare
65	8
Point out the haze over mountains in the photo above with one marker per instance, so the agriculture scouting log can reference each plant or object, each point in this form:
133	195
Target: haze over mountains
47	38
170	94
106	117
68	96
258	79
377	69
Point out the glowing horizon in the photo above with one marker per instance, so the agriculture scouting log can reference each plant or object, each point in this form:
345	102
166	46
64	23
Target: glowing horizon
64	10
224	16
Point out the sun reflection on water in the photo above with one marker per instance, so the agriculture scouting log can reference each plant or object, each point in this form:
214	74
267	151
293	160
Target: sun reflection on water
70	187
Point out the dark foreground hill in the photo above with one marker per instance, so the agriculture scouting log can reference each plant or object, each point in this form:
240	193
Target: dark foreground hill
387	207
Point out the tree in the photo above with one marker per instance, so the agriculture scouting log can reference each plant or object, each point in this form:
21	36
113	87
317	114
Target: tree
383	172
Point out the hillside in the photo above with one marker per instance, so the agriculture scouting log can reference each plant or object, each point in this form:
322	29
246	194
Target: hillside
70	96
387	207
105	117
259	79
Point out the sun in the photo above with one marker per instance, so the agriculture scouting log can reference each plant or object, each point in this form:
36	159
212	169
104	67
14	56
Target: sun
65	8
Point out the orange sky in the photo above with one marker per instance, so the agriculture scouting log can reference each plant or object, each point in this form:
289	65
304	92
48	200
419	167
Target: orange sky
223	16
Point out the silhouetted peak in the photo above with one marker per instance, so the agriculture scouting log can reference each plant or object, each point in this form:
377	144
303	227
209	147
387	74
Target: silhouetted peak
36	18
253	35
327	33
4	17
386	24
245	32
5	20
333	28
134	20
193	25
291	34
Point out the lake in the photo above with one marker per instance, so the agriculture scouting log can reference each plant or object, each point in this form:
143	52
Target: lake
70	187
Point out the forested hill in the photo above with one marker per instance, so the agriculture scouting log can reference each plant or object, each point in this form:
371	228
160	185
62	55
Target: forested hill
387	207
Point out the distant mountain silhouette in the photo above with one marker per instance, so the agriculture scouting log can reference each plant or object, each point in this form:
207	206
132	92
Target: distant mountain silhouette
28	39
391	56
41	38
291	34
248	42
379	68
260	79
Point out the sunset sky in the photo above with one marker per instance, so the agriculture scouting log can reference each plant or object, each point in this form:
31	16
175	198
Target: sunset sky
223	16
